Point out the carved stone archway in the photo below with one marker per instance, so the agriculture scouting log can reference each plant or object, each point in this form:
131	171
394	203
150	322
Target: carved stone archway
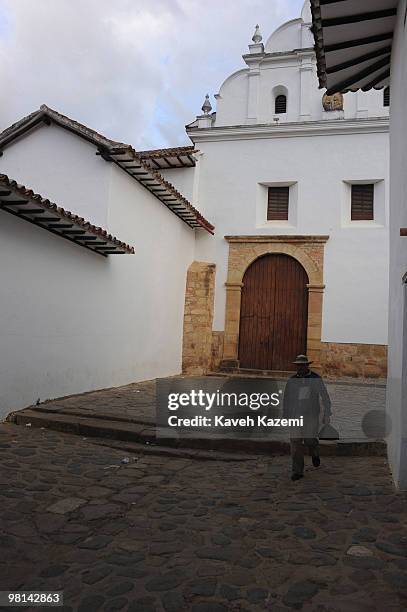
243	250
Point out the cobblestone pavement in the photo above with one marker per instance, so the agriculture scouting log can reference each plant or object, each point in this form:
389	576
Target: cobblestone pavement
165	534
351	400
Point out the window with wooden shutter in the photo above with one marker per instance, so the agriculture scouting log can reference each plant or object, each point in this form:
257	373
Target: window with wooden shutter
277	209
386	97
362	203
280	105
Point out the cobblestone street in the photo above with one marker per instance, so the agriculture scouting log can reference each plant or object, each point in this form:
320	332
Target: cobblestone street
170	534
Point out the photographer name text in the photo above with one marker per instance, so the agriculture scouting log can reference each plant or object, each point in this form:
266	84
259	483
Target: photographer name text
222	421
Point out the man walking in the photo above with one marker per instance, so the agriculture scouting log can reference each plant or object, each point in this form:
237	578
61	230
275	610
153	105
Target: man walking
302	397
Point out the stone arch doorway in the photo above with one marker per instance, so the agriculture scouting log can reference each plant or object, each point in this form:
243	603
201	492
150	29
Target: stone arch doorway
273	313
243	251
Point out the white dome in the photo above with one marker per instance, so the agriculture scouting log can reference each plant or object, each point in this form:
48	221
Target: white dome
289	36
286	38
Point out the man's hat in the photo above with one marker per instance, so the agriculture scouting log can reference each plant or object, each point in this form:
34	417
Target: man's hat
302	360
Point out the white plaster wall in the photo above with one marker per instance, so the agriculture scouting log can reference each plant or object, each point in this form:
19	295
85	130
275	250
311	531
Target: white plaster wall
397	378
230	192
63	168
279	74
182	179
364	104
74	321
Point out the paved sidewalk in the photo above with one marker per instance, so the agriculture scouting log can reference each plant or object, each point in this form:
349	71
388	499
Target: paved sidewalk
351	401
164	534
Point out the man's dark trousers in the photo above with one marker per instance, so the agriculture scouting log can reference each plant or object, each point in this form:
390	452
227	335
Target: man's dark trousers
297	452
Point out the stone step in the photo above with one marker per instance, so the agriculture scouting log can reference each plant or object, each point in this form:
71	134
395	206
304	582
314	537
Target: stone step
84	426
280	376
166	451
135	432
146	434
246	373
53	408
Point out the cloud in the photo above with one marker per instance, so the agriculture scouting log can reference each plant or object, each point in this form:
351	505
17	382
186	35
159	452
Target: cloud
135	70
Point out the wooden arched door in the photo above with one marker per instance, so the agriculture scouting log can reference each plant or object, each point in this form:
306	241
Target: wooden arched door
273	313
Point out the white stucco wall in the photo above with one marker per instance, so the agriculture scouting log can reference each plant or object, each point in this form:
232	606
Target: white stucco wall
182	179
63	168
233	195
74	321
397	380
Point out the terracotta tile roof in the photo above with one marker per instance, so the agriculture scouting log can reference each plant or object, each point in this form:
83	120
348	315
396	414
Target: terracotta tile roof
174	157
121	154
129	160
24	203
168	151
46	113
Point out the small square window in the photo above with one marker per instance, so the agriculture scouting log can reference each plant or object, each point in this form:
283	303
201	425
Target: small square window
277	208
362	199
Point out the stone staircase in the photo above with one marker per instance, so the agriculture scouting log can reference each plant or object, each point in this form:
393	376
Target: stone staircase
140	436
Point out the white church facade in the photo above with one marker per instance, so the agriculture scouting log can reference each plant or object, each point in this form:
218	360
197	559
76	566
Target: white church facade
231	254
263	172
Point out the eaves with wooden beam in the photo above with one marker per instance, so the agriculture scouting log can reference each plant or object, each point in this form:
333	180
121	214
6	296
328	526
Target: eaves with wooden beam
353	42
122	154
165	159
25	204
129	161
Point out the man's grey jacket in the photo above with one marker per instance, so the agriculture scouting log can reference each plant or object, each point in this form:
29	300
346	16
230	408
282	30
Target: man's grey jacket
303	396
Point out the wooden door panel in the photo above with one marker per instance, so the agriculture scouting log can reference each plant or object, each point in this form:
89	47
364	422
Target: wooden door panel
274	313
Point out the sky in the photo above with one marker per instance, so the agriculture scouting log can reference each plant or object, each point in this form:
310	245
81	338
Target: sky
135	70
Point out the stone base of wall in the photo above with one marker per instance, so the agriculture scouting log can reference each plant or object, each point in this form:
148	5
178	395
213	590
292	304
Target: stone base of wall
198	318
358	360
336	359
217	349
